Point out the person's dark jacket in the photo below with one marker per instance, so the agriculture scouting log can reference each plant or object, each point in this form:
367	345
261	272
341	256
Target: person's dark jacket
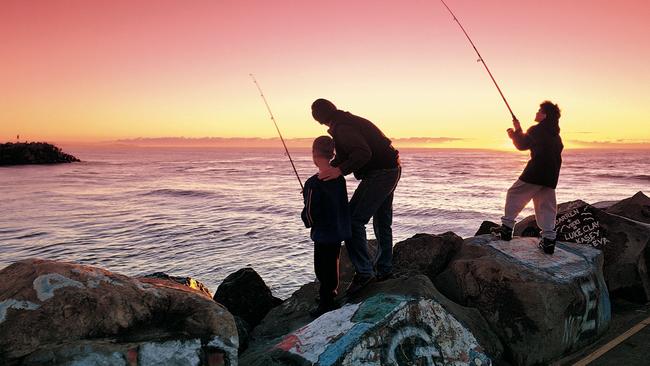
326	210
360	146
545	146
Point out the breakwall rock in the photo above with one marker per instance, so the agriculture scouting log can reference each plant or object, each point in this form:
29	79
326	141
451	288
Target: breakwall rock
625	242
541	306
33	153
61	313
397	322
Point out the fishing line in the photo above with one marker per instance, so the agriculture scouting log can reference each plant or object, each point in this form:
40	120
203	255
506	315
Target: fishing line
278	129
480	58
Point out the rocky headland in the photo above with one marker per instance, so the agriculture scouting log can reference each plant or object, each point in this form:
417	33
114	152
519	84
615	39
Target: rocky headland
453	301
33	153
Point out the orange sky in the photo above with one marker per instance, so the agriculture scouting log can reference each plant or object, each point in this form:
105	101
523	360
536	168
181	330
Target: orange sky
103	70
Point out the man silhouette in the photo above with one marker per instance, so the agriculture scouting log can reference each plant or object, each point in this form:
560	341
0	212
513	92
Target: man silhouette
362	149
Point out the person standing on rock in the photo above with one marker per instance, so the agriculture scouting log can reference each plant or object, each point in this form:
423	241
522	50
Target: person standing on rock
539	179
327	213
362	149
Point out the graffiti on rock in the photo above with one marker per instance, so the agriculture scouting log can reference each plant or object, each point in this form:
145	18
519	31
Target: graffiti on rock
412	345
15	304
47	283
386	330
586	316
580	226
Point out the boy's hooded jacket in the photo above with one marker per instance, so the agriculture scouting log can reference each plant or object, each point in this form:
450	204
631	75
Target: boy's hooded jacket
326	210
545	145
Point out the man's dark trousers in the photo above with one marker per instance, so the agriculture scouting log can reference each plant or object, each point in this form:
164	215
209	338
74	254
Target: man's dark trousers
373	198
326	266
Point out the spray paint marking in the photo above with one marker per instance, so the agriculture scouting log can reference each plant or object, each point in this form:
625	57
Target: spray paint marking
15	304
412	335
580	226
584	323
46	284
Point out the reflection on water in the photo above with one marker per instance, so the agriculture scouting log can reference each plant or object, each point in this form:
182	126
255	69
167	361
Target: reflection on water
208	212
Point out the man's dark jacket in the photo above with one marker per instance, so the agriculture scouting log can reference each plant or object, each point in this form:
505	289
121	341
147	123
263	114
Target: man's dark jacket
326	210
545	146
360	146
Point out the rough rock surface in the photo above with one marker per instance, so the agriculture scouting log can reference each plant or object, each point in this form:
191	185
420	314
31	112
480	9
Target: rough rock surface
624	242
541	306
425	253
32	153
636	208
401	321
245	295
58	313
485	227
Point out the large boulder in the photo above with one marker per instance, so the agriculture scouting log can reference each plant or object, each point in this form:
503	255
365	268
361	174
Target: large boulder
425	253
541	306
245	295
636	208
63	313
624	242
395	322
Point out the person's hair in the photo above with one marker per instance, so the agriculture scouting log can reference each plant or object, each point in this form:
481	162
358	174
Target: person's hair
323	146
553	114
322	110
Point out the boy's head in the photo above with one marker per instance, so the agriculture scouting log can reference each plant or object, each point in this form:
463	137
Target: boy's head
322	150
548	111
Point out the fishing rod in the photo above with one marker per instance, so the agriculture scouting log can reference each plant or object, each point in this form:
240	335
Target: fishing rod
278	129
480	58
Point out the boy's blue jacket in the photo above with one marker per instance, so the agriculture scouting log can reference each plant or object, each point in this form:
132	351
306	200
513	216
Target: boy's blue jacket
326	210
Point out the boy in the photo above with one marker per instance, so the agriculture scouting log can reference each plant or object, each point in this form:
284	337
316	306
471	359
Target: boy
539	179
326	212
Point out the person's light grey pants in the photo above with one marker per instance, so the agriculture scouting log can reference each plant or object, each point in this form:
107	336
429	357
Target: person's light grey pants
543	199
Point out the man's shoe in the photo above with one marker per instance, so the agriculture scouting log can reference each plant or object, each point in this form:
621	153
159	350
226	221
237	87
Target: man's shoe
502	232
358	283
547	245
323	308
385	276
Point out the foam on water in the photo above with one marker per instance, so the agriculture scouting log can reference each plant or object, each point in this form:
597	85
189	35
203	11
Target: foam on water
208	212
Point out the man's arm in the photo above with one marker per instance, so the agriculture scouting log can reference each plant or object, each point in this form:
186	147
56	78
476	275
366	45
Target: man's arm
359	151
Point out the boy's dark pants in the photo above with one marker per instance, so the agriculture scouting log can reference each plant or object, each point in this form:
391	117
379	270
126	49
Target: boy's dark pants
326	266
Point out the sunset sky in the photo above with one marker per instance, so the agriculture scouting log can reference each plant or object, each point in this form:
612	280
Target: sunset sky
91	71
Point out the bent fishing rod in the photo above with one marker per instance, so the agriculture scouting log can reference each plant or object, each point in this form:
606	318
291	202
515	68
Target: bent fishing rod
278	129
480	58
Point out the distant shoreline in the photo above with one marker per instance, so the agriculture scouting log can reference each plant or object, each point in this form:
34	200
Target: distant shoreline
410	143
305	143
30	153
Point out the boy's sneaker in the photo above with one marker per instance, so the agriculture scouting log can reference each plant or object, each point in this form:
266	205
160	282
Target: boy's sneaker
358	283
547	245
502	232
323	308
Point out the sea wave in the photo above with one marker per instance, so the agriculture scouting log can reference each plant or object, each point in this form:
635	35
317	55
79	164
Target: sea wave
180	193
623	176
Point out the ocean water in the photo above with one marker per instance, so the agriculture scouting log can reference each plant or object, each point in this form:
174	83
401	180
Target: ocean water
207	212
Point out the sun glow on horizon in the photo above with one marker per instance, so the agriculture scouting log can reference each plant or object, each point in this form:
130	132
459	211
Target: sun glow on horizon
109	70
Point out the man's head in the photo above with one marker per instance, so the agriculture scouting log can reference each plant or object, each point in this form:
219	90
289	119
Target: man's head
322	111
322	151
